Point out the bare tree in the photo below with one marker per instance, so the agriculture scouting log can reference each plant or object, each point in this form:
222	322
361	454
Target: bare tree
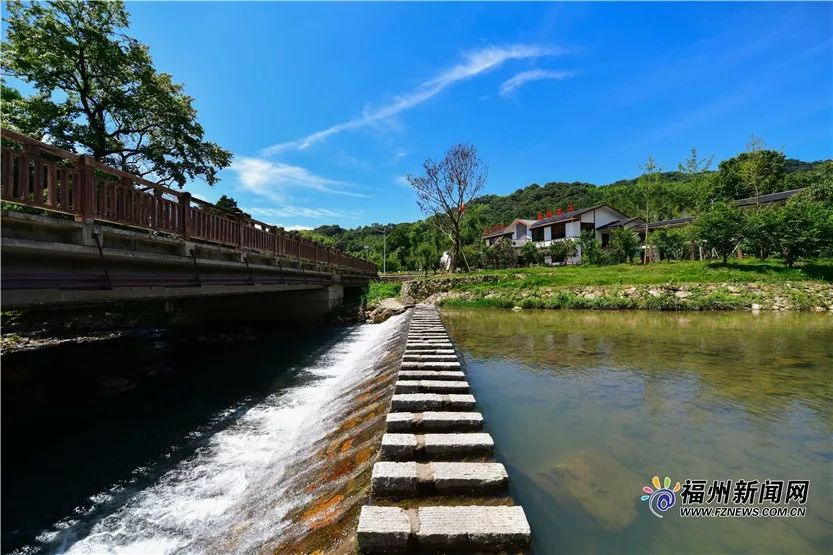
447	187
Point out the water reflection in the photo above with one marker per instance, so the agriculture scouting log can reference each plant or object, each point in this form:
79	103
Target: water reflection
587	406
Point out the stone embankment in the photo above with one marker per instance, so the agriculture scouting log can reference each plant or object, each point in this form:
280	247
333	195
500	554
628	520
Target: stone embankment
476	290
437	486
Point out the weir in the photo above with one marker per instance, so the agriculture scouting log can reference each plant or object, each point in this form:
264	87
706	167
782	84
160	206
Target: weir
437	486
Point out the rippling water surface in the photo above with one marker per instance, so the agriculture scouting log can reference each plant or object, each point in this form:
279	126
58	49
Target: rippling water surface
160	444
585	407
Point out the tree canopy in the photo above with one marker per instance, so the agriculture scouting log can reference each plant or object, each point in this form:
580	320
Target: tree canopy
97	92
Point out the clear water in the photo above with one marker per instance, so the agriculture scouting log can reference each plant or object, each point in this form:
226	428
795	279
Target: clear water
156	445
585	407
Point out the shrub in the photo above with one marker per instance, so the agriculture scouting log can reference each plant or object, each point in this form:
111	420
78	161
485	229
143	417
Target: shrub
672	244
760	232
562	250
530	254
591	248
624	244
721	228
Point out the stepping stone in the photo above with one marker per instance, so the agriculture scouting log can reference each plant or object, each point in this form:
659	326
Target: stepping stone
474	528
427	346
428	336
431	375
420	402
412	478
383	529
410	365
431	386
399	446
430	352
437	358
432	421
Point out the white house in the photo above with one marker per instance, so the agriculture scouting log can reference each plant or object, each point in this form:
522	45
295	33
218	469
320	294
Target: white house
569	225
518	232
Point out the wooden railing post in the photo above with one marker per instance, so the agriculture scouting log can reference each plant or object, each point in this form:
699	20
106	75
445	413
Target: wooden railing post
86	184
185	215
241	235
157	209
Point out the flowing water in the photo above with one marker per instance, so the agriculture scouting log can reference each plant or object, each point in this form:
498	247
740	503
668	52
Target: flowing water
170	444
586	407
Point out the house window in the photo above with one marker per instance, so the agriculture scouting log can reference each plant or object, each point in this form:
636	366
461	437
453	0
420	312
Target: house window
588	226
559	231
537	233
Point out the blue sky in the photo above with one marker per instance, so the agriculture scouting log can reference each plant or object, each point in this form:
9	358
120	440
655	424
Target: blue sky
328	106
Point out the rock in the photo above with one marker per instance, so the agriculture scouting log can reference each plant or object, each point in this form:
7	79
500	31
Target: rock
682	294
517	308
820	309
756	307
600	484
385	309
654	293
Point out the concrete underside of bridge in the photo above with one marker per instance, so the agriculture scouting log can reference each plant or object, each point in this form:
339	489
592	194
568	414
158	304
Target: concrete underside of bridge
50	263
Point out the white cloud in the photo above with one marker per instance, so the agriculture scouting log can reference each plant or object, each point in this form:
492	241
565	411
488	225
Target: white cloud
271	179
289	211
402	180
517	81
473	64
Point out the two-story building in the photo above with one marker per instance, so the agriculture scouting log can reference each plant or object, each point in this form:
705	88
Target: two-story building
518	232
569	225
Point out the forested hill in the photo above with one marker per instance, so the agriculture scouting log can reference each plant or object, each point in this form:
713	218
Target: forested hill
409	243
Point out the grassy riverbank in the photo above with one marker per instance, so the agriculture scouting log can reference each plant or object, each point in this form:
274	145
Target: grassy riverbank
684	285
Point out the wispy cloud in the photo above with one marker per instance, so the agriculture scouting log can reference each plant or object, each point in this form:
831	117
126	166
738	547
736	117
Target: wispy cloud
519	80
473	64
271	179
289	211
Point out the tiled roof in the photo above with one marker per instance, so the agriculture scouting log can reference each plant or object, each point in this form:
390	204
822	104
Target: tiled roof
766	199
674	222
620	223
565	216
506	230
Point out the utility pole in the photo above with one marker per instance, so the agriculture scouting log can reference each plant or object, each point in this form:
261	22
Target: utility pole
384	248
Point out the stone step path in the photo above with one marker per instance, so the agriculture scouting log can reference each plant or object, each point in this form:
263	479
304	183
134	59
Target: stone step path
431	386
434	421
435	446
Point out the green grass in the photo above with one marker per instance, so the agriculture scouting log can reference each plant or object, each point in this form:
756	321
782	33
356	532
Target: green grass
379	290
688	271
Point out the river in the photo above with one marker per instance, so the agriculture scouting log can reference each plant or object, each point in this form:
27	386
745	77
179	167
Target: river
176	442
586	407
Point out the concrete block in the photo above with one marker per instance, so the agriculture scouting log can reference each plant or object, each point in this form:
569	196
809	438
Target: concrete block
414	357
458	445
410	478
410	365
434	421
429	352
431	375
427	346
420	402
473	527
383	529
431	386
399	446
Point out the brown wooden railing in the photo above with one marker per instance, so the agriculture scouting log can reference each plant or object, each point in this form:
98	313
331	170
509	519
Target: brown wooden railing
42	176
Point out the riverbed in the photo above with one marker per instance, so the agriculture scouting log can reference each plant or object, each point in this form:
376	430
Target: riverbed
586	407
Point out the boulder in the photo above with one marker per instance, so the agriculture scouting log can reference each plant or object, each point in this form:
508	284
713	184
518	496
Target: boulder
385	309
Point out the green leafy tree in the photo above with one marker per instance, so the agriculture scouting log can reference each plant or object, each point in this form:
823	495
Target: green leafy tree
530	253
752	173
624	244
760	232
721	228
651	194
591	248
560	251
427	257
803	230
672	244
699	185
97	92
502	254
230	205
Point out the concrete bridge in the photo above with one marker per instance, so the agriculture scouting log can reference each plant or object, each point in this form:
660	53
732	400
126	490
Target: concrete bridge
78	232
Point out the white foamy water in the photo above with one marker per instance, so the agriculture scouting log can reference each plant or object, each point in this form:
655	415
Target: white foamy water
235	487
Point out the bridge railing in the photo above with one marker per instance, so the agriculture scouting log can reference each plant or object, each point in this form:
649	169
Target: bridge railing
42	176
